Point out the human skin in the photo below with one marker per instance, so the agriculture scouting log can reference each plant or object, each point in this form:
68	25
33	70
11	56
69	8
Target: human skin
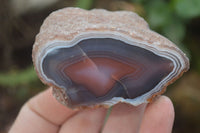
43	114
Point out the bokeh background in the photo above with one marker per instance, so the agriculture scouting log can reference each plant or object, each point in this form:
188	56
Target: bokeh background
20	20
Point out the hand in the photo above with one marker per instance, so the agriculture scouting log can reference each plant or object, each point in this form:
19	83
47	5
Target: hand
43	114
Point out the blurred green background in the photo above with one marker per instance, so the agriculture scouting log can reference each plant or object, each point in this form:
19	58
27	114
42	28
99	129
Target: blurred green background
20	20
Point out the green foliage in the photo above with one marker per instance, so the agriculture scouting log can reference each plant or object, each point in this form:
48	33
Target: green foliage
18	78
158	14
139	1
20	84
187	8
85	4
175	30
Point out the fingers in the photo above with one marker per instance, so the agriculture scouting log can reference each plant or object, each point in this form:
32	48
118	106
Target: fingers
49	108
124	118
29	122
86	121
158	117
42	113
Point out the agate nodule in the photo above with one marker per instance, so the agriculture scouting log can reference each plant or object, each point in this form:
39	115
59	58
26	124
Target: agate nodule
99	57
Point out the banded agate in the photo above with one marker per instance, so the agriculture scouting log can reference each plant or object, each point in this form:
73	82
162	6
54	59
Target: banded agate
99	57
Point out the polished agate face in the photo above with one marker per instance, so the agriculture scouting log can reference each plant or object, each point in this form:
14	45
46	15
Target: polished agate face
98	69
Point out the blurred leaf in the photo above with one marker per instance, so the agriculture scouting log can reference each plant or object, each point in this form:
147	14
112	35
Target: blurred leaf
198	65
85	4
175	31
158	13
138	1
16	78
187	8
22	93
106	118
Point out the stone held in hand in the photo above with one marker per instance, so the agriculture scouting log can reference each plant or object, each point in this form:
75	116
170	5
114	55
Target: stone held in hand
99	57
